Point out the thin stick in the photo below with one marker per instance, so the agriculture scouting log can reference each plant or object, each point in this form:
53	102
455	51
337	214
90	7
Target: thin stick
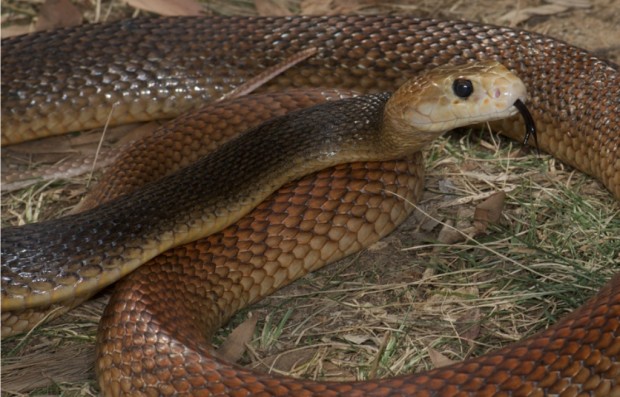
105	128
269	74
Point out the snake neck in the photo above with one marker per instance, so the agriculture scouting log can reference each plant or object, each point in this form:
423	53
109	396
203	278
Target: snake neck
195	202
397	133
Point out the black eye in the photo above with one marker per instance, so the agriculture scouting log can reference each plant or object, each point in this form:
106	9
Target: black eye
462	88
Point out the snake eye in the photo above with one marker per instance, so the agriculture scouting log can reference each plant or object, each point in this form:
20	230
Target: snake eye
462	88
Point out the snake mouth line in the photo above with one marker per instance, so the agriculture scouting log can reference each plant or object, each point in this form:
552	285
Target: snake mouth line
530	125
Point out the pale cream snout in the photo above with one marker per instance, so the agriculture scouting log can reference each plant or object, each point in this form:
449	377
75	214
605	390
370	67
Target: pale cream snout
468	94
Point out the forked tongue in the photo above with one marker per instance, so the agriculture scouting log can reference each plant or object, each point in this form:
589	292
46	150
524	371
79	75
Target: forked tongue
530	126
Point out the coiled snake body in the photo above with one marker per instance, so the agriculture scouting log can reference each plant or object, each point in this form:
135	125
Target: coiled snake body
573	97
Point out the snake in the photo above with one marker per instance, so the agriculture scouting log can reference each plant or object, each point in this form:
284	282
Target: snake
76	75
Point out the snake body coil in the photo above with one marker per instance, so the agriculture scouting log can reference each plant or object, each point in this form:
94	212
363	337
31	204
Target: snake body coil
75	75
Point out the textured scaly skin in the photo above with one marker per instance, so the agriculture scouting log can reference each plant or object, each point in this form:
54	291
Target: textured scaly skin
175	145
73	76
63	259
574	99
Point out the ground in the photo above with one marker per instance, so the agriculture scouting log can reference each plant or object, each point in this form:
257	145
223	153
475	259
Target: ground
421	297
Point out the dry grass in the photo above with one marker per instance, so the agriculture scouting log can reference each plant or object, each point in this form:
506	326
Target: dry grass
383	311
391	309
379	314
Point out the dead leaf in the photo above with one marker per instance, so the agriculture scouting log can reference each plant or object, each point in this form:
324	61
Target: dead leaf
375	364
378	246
446	186
329	7
316	7
449	302
234	346
489	211
15	30
271	8
448	235
573	3
67	364
337	372
285	362
167	7
356	339
518	16
438	359
428	273
54	144
515	154
428	220
269	74
468	325
55	14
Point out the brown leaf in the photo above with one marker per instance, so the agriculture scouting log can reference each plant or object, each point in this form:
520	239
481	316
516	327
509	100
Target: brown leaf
139	132
316	7
23	373
573	3
167	7
448	235
58	14
15	30
438	359
378	246
468	325
356	339
234	346
285	362
271	8
269	74
54	144
489	211
330	7
518	16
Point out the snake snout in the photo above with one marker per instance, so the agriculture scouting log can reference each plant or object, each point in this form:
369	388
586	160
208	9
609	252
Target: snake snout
503	91
498	90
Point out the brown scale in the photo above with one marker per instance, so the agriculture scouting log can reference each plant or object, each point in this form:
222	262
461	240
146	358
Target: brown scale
102	244
574	98
184	61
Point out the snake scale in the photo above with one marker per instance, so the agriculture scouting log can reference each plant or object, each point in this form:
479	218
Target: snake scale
75	75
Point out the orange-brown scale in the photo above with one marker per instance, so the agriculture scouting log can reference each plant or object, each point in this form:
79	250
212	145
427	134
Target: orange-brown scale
174	146
574	98
154	68
184	140
104	243
299	229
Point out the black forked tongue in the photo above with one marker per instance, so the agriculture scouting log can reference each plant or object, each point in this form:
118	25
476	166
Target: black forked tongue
530	126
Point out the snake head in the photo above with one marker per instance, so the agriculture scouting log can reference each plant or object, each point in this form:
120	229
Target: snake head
449	97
